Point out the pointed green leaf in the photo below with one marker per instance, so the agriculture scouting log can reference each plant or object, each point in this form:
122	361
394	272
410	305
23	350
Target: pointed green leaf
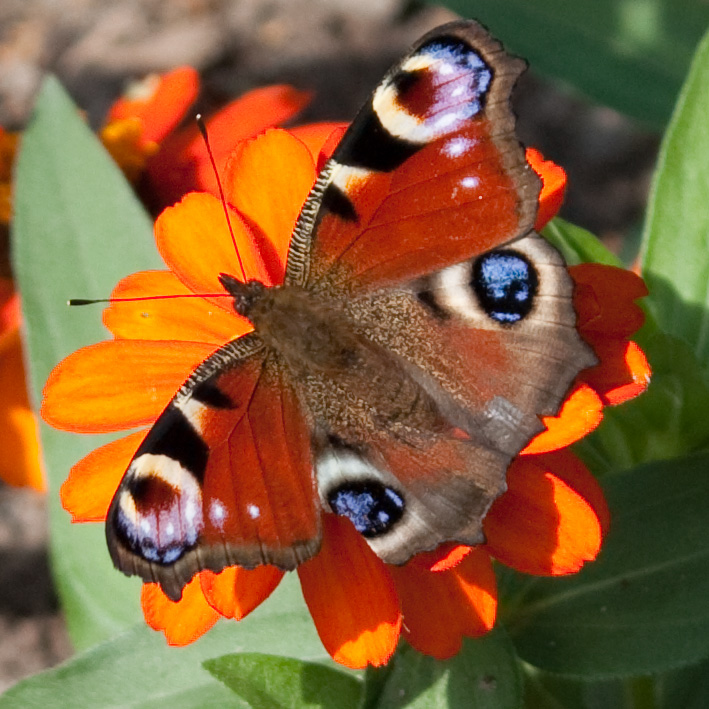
273	682
78	228
675	264
643	606
578	245
483	675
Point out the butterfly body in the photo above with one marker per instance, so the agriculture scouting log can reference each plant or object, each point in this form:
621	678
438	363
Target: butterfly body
421	332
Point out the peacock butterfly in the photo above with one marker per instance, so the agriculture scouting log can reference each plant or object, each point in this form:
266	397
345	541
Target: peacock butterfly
422	330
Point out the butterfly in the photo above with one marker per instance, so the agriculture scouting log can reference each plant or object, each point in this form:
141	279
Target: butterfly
421	331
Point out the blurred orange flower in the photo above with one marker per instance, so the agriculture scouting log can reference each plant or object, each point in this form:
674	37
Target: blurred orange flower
166	162
20	464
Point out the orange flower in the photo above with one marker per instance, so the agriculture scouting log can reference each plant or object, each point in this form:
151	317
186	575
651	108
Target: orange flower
20	463
550	521
8	150
141	132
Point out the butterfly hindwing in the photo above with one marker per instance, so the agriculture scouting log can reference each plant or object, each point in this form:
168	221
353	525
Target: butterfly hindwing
494	338
491	344
406	497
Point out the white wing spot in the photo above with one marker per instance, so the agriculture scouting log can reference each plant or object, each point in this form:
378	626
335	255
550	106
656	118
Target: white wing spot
456	147
190	511
446	121
217	513
254	511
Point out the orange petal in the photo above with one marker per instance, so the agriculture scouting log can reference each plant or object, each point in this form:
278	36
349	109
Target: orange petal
9	142
20	463
88	490
248	116
183	163
622	374
194	240
125	143
183	621
440	609
9	307
267	179
236	591
445	557
553	186
351	597
112	386
579	415
320	138
568	467
603	299
189	318
541	525
159	102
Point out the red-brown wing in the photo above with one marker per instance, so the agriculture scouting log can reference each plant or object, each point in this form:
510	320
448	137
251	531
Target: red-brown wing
224	476
429	174
259	492
492	343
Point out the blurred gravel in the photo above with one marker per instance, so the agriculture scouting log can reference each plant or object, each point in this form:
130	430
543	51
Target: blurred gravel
338	48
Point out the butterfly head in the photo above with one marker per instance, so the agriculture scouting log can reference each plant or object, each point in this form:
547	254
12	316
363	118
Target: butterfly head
245	294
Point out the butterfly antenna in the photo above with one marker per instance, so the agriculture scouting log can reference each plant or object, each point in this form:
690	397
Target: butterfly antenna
93	301
203	130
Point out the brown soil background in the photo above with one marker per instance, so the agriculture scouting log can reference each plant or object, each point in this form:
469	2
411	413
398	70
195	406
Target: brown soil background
339	49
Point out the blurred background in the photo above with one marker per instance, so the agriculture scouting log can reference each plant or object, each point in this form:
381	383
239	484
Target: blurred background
337	48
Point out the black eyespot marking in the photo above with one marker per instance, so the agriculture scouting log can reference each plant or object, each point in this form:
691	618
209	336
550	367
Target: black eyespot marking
428	299
373	508
159	535
339	203
405	81
173	436
211	395
464	62
373	147
147	546
506	284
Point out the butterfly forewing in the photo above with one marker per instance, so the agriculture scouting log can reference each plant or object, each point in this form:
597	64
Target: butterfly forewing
429	174
224	476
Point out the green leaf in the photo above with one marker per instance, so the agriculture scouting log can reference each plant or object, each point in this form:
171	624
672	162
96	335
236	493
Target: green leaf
667	421
272	682
687	688
578	245
675	264
547	691
629	54
139	670
643	606
484	675
78	228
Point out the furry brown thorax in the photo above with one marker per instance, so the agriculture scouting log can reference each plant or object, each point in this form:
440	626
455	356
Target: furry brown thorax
315	338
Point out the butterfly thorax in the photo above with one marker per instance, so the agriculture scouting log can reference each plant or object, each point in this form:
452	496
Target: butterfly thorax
322	346
297	324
